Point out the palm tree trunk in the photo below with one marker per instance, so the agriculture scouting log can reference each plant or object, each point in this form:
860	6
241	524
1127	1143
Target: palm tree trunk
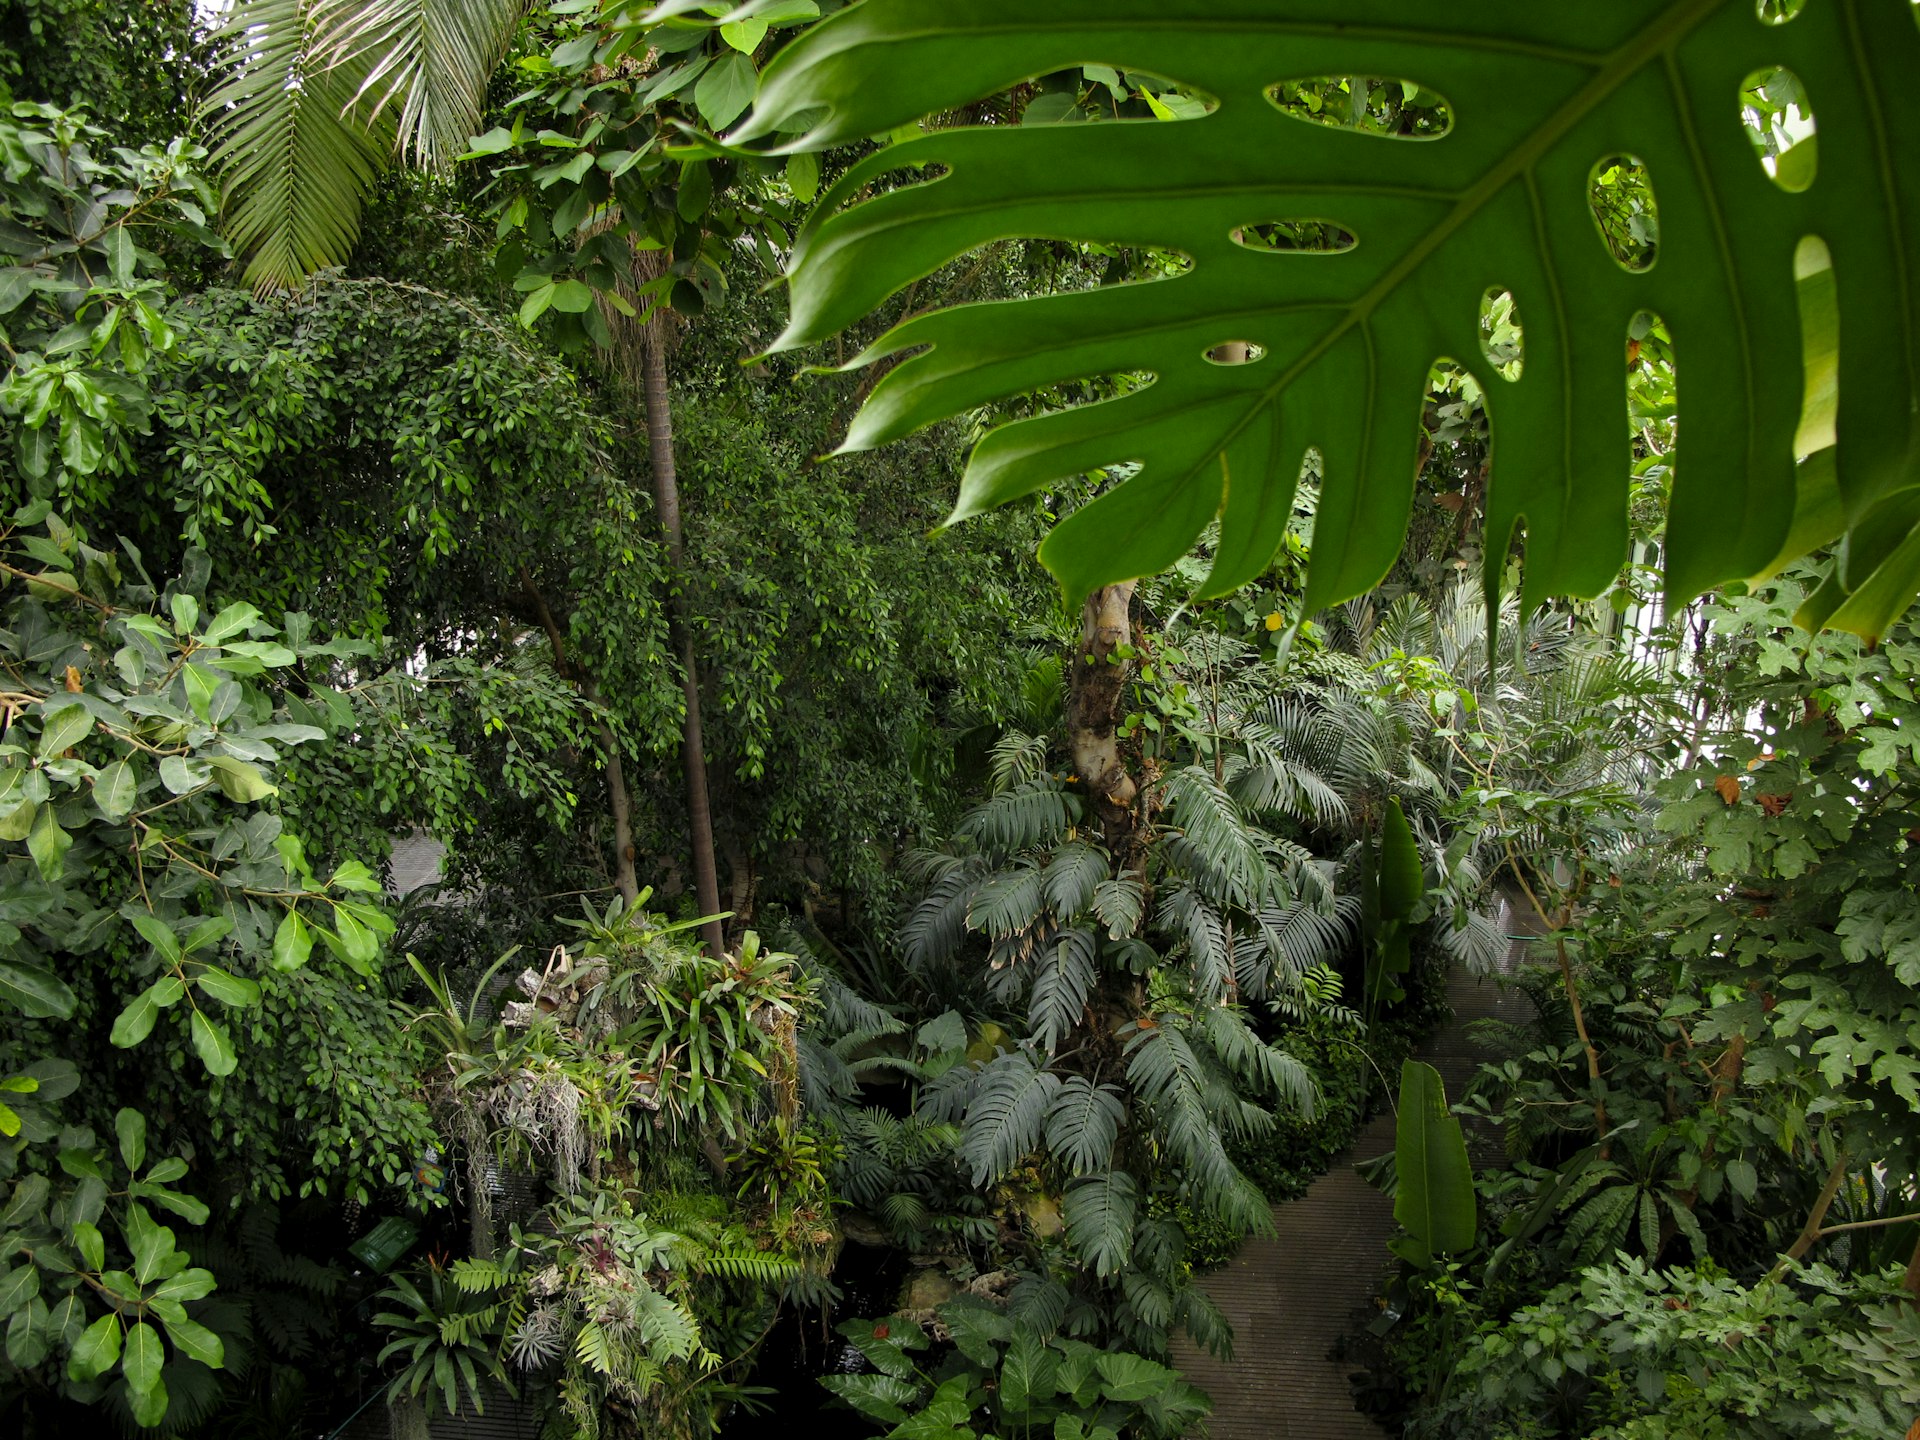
666	499
1094	695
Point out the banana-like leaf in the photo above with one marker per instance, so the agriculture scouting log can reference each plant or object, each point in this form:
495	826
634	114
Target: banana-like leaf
1539	96
1434	1203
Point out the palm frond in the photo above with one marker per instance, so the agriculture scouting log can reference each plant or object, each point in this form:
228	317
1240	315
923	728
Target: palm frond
1008	902
1032	814
1117	902
295	154
428	60
1071	876
1223	845
1099	1211
1017	759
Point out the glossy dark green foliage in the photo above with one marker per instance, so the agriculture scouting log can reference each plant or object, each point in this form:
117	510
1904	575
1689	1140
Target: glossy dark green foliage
1537	99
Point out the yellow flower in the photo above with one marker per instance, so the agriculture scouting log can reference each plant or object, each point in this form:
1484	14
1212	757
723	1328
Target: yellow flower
1274	622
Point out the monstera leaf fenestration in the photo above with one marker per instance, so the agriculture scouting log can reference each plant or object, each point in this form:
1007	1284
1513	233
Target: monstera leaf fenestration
1539	95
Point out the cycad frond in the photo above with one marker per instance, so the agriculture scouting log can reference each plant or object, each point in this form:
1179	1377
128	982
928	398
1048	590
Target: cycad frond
1063	977
1004	1116
1033	814
1186	913
1082	1124
295	155
1099	1211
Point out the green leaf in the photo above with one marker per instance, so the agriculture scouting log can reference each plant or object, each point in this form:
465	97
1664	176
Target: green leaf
157	933
227	989
725	90
18	1286
1499	202
63	728
354	875
130	1126
136	1022
188	1285
210	1042
232	621
95	1352
35	992
239	780
292	942
1435	1202
149	1406
114	790
142	1358
196	1342
803	176
48	844
91	1245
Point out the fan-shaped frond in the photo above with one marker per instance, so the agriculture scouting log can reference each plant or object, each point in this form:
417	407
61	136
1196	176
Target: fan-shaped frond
1478	944
1082	1124
1005	1113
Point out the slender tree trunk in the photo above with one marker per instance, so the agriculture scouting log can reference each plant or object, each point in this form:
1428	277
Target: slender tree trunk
1095	691
619	805
1810	1232
666	499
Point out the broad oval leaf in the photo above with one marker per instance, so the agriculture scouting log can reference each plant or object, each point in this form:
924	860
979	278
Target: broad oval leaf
1541	94
212	1044
114	789
141	1358
227	988
96	1350
34	991
135	1022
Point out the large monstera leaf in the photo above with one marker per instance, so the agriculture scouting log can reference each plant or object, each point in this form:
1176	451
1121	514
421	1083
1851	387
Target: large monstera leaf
1539	95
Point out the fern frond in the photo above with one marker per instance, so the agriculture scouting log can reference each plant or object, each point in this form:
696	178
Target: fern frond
1231	852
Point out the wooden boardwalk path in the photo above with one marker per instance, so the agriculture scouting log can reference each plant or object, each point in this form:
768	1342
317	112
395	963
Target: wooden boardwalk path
1292	1295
